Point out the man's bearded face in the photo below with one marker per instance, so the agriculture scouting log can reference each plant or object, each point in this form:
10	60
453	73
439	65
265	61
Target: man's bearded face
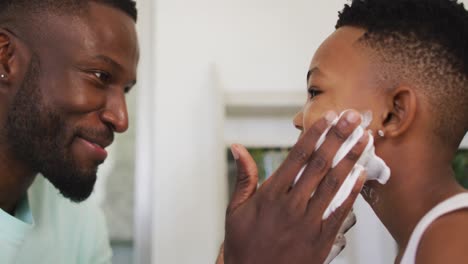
41	136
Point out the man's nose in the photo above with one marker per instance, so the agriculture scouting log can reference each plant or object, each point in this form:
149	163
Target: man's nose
298	120
115	114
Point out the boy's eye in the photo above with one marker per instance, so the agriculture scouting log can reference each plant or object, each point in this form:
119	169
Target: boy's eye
313	92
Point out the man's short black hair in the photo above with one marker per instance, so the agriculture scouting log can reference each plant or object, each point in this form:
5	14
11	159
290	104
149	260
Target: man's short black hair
422	43
127	6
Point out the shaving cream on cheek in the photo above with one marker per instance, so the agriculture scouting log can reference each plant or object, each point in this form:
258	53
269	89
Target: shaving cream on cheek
369	161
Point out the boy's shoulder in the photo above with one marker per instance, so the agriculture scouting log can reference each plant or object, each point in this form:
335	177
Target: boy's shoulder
445	240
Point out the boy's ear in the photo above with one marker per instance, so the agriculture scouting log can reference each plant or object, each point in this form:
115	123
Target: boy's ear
401	111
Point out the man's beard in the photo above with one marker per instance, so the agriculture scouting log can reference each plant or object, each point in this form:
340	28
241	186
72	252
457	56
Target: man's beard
39	137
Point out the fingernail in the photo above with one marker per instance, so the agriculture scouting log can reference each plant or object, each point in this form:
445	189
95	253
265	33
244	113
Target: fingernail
363	138
366	118
352	117
363	175
235	152
330	116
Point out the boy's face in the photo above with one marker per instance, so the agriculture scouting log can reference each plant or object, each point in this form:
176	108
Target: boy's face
341	76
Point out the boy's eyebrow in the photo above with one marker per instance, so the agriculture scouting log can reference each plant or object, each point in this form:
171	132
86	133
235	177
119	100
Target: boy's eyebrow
312	71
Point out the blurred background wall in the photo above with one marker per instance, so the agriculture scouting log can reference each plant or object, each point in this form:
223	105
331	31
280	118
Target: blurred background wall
212	73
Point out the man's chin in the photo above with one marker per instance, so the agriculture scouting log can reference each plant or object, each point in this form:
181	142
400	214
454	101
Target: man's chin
75	186
77	197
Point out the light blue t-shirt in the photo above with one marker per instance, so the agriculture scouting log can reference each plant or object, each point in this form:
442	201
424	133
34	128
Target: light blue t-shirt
48	228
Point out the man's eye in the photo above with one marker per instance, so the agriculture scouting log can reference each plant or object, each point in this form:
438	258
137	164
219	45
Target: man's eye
313	92
104	77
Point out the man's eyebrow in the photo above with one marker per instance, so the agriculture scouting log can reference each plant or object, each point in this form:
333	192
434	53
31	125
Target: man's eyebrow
110	61
114	64
312	71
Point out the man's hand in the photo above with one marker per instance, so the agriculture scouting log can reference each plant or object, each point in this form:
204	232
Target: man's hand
338	245
282	223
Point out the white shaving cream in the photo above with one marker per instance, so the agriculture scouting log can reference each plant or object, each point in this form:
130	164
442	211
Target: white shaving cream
369	161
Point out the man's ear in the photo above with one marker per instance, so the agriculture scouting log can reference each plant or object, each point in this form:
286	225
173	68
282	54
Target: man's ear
402	106
6	51
13	56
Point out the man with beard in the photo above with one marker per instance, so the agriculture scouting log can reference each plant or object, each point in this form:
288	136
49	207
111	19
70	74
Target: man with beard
65	67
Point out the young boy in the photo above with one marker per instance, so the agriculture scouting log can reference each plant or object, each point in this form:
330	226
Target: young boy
407	62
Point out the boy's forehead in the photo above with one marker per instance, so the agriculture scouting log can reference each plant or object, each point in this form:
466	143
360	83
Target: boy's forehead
340	53
341	43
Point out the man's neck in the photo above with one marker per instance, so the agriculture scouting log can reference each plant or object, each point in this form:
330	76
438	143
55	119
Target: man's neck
15	179
415	187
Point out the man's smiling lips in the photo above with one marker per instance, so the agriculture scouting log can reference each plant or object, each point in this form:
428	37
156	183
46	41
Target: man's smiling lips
95	147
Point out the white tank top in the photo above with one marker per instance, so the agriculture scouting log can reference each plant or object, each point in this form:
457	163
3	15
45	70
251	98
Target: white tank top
454	203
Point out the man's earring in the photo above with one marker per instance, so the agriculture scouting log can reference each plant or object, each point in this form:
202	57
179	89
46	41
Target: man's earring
381	133
3	76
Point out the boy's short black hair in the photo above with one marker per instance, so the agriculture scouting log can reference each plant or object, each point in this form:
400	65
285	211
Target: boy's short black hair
422	43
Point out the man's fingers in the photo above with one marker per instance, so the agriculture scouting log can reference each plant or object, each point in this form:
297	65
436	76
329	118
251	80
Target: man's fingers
247	177
300	154
349	222
330	185
321	160
332	224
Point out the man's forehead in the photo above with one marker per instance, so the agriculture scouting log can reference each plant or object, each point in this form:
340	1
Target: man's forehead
101	31
108	28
